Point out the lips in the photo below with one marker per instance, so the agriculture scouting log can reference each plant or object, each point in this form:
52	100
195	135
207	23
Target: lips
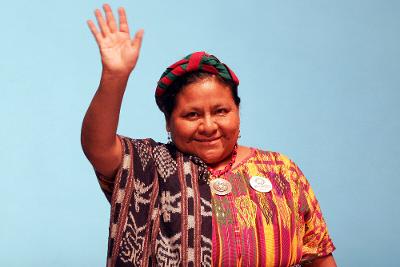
210	140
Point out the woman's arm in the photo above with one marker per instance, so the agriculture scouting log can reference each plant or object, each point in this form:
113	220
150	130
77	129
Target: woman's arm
119	54
327	261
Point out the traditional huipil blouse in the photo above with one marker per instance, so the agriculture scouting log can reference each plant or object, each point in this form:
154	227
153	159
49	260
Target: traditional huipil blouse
163	213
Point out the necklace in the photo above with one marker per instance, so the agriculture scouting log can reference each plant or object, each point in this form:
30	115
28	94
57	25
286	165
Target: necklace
219	185
217	173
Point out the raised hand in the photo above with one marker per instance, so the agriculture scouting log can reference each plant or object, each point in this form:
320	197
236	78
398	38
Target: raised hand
119	53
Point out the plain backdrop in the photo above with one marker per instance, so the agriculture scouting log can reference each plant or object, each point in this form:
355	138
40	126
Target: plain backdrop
319	83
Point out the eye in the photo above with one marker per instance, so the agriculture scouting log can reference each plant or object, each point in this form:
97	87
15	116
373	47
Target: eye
221	111
191	115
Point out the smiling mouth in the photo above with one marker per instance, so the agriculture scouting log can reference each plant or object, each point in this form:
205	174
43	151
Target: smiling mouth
208	140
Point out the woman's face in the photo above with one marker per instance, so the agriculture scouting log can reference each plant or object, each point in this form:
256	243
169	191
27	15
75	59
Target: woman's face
205	121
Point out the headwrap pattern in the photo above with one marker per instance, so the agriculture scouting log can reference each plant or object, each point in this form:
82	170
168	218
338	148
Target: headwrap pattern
197	61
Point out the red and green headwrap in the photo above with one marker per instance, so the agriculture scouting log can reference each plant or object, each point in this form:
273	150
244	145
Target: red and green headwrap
197	61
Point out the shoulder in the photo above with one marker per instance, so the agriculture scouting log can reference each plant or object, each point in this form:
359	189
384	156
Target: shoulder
146	149
272	156
279	162
143	145
138	141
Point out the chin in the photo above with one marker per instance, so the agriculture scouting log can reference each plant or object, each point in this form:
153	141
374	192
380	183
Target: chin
210	158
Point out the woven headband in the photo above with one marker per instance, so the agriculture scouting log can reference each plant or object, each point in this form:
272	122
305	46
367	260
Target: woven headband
197	61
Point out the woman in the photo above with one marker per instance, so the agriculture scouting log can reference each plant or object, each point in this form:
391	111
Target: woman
201	199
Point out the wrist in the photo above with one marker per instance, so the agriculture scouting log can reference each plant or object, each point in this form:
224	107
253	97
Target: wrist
114	75
113	82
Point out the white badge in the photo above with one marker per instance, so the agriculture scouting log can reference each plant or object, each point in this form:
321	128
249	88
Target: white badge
261	184
220	186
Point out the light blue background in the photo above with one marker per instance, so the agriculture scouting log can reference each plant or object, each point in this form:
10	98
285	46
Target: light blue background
319	82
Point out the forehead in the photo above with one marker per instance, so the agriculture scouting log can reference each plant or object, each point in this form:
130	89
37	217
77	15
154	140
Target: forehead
205	91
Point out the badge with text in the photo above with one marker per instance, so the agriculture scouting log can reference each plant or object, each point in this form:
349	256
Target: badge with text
261	184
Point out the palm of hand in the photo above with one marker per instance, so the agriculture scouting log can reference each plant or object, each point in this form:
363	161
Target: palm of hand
119	53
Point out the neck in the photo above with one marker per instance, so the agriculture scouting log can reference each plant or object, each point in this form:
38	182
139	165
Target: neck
224	166
221	164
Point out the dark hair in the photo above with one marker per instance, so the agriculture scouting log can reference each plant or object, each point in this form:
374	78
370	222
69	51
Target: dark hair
168	102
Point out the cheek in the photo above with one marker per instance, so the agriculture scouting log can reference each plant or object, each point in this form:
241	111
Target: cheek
184	129
231	124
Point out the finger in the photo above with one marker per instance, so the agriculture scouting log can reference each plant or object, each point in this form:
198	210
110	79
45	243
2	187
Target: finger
97	35
123	22
102	23
137	40
110	18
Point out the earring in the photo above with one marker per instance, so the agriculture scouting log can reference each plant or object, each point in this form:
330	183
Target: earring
239	135
169	137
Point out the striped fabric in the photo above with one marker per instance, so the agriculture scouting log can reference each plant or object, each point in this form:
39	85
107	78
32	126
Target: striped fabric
160	208
163	212
283	227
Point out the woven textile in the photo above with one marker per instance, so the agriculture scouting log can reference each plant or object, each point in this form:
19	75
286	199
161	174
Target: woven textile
163	214
282	227
160	208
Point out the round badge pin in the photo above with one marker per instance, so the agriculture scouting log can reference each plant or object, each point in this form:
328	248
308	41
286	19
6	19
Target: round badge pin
220	186
261	184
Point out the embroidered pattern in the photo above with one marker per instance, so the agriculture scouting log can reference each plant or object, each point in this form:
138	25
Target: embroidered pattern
131	246
222	211
162	212
140	190
246	211
266	209
168	250
284	211
282	227
169	204
166	166
144	152
158	203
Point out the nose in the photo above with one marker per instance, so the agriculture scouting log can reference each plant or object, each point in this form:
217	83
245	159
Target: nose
208	126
